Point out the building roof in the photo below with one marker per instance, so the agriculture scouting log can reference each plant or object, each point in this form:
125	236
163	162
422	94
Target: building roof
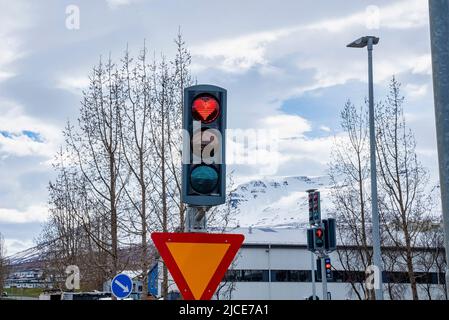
273	236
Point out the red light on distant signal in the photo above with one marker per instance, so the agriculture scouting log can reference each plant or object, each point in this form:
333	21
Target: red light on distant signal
205	108
319	233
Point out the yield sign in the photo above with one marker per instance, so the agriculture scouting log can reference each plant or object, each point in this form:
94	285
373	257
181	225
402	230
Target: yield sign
197	261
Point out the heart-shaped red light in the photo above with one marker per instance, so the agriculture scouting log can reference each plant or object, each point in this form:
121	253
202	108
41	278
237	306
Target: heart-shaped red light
205	109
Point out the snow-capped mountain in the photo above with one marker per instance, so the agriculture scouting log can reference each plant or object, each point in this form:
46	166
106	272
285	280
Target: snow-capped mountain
26	258
277	202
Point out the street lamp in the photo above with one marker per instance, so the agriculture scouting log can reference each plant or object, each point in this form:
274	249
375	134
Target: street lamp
369	42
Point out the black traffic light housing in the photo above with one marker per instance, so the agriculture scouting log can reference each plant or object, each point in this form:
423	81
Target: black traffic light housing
316	239
203	157
314	206
330	234
318	269
319	240
310	240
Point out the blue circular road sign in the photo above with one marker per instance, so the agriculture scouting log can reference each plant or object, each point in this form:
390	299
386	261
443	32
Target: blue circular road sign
121	286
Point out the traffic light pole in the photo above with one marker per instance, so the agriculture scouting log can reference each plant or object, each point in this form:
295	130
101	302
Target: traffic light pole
195	219
323	278
312	261
439	34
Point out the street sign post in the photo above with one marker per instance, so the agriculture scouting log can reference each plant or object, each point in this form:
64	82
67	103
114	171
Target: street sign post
121	286
197	261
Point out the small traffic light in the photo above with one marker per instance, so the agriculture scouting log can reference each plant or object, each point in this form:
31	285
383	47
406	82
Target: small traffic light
319	238
315	239
310	240
318	269
203	167
314	206
328	268
330	234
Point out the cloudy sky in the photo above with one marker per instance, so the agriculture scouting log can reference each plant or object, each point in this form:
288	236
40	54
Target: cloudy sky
284	63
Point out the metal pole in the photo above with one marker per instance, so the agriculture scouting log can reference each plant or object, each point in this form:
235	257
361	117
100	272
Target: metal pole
195	219
269	272
312	261
439	36
374	207
323	278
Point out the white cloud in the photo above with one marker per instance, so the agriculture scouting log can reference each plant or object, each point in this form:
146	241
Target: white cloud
290	126
118	3
34	213
422	65
400	15
240	53
414	91
74	84
14	18
15	121
406	14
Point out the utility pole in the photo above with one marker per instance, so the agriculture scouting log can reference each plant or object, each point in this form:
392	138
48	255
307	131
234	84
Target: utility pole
312	261
323	278
314	218
439	36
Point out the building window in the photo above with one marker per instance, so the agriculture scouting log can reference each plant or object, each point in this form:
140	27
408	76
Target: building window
291	276
247	276
338	276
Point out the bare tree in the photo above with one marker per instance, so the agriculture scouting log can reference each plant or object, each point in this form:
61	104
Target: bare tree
349	174
430	259
181	79
66	238
137	150
96	150
404	202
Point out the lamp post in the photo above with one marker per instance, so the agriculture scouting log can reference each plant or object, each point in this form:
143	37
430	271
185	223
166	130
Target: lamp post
369	42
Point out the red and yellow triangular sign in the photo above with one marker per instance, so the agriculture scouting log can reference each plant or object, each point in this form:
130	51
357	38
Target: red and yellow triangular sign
197	261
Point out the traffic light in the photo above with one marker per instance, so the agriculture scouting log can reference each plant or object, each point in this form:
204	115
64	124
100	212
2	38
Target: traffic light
318	269
319	238
314	206
310	240
328	268
330	235
203	165
315	239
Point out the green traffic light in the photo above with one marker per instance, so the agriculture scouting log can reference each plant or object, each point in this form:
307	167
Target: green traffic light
204	179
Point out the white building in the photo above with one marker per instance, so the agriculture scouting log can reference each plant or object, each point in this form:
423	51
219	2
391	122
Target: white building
274	263
29	278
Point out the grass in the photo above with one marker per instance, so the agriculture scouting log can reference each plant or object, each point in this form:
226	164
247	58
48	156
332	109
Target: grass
24	292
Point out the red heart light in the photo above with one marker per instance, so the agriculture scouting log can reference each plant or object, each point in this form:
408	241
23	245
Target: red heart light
205	109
